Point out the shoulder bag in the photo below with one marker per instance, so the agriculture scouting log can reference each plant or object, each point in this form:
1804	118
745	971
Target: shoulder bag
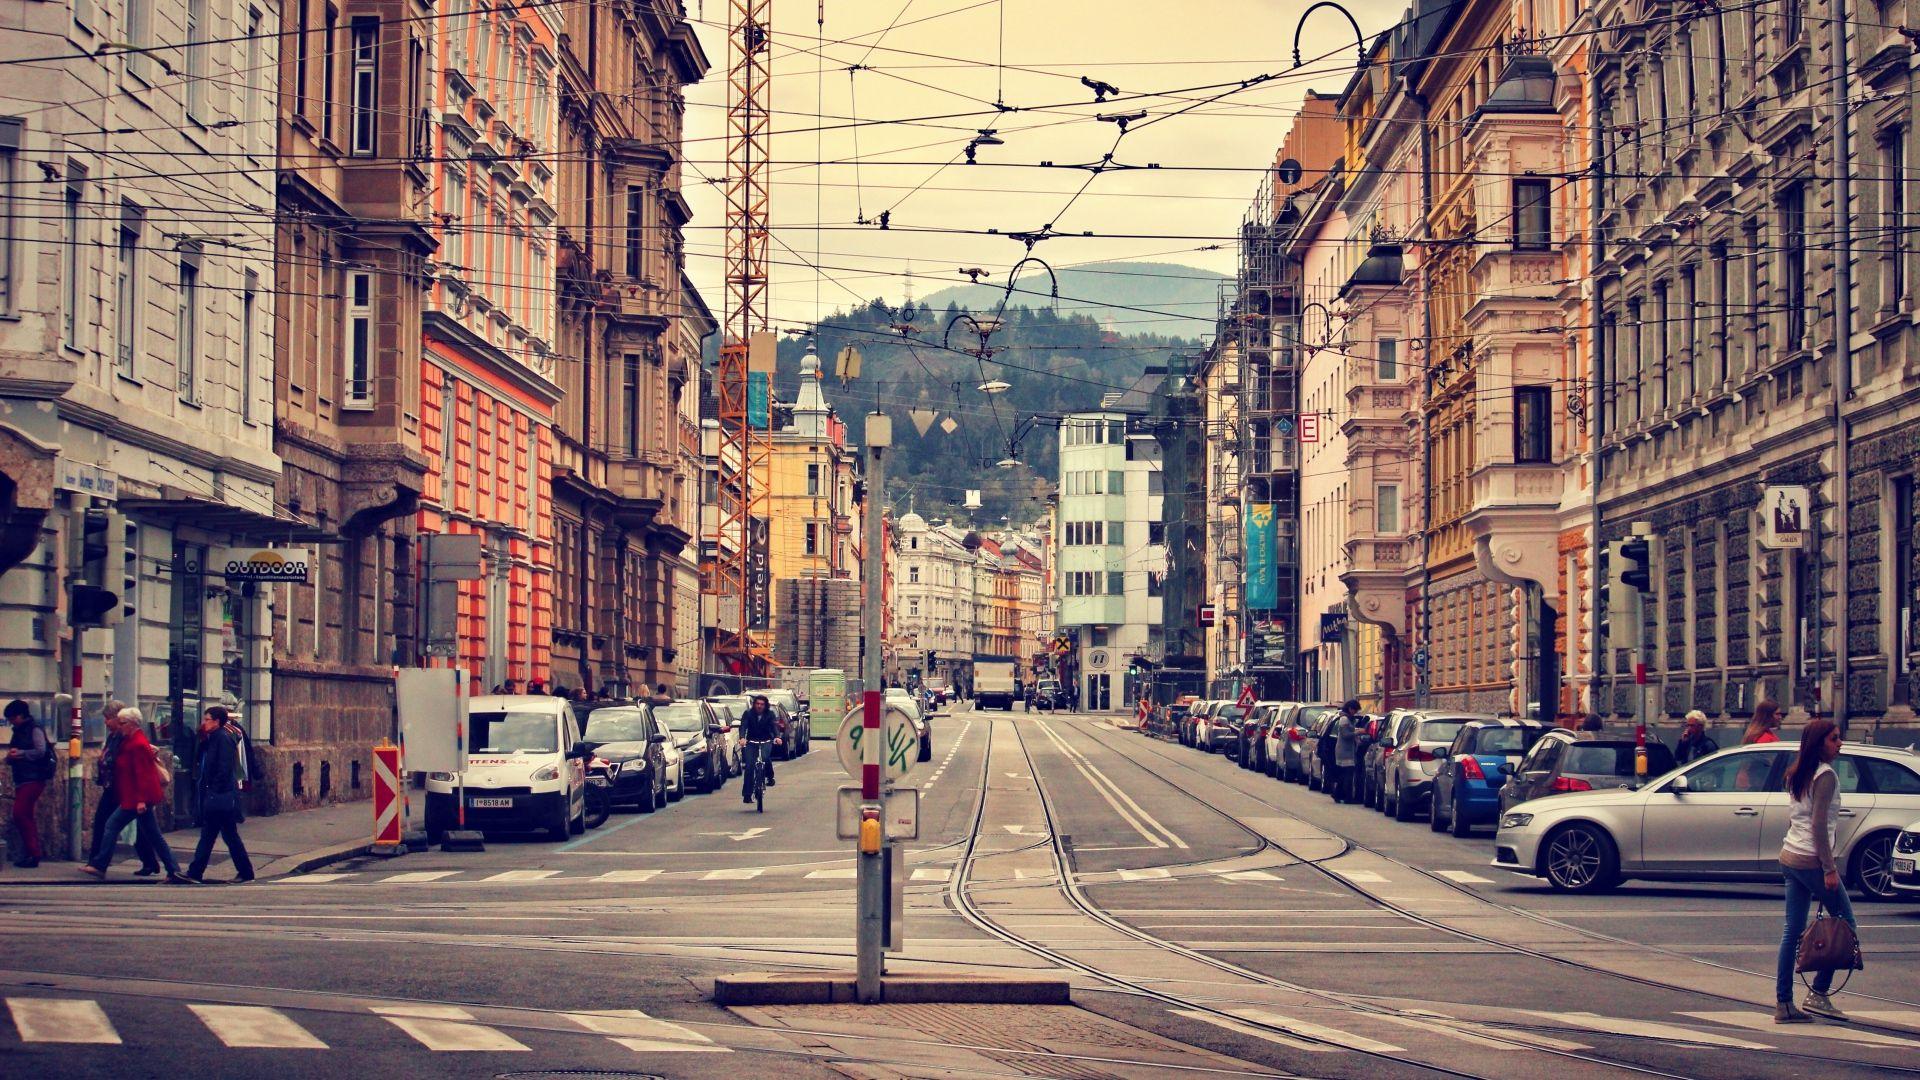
1829	944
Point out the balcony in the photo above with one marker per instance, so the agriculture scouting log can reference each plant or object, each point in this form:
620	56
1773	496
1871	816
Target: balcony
1514	520
1376	579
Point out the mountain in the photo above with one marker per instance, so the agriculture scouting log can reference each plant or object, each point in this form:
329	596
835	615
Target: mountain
1167	299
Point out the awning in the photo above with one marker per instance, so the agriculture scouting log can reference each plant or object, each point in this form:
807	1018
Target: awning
176	507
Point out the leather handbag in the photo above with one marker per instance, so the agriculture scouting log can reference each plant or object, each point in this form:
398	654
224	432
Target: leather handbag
1829	944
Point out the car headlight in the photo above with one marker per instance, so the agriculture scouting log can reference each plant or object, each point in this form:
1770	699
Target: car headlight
1909	842
611	768
1515	821
441	777
551	772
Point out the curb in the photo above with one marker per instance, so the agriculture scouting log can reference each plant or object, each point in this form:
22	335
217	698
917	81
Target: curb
314	859
829	988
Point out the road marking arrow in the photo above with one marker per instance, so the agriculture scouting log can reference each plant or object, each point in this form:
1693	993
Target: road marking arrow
738	836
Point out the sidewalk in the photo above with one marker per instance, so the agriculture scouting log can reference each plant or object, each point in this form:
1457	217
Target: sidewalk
279	845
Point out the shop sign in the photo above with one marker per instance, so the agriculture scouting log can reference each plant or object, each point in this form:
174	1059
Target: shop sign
264	564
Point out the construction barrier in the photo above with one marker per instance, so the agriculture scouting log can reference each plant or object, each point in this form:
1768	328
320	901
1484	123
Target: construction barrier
387	795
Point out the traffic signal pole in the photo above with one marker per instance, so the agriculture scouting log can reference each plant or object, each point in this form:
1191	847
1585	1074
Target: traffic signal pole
873	858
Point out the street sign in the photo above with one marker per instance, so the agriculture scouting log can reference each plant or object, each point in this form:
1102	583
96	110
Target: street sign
1783	516
899	750
433	713
1208	614
264	563
901	813
1247	696
1309	427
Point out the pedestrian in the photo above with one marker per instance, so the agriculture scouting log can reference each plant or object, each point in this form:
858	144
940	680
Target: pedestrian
1346	745
660	695
1592	727
221	805
30	756
103	774
1807	864
537	687
141	785
1765	725
1694	742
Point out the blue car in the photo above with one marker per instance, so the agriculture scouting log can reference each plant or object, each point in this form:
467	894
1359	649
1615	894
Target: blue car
1466	791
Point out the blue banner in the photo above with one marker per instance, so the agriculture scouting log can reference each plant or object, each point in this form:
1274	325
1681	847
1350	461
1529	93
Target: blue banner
1263	586
758	383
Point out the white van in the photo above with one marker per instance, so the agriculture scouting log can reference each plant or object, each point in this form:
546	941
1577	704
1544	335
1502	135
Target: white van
526	769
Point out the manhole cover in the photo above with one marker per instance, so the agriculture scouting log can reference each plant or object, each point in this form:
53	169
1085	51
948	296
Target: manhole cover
579	1074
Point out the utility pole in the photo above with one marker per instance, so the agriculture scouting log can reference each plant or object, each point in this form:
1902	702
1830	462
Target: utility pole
874	858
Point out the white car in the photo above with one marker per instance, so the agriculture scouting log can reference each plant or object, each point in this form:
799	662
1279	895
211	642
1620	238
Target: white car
525	770
676	771
903	699
1720	818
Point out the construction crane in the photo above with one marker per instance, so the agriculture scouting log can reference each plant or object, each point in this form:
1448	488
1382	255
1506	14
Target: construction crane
738	578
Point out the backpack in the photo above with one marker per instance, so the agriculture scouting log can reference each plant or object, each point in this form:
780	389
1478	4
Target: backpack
43	769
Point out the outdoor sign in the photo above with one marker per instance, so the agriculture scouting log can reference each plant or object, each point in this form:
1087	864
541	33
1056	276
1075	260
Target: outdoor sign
1208	614
1309	427
78	476
264	564
1783	516
433	716
1263	585
1248	696
898	753
758	399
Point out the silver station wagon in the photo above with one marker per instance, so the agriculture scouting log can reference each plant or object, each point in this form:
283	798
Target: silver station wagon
1717	819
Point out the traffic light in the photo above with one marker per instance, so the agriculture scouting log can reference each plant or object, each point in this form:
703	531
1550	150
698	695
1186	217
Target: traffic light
1636	564
100	563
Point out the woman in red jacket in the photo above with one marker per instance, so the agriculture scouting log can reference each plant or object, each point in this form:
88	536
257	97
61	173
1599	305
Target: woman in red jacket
138	781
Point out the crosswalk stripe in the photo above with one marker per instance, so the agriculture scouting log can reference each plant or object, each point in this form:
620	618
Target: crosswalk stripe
1614	1025
1463	877
1317	1032
1249	1029
61	1020
312	879
255	1026
739	873
840	873
414	876
1758	1021
1250	875
1148	874
453	1035
636	1030
932	873
1897	1017
1363	876
522	875
628	875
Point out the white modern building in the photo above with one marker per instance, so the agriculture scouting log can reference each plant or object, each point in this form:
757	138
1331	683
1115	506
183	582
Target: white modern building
937	593
136	363
1111	541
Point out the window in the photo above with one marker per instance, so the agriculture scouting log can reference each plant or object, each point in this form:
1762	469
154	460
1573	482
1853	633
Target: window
630	403
1900	494
249	308
913	575
359	389
1532	216
255	107
813	479
73	258
126	293
1387	360
329	43
1893	291
139	28
1890	777
300	51
187	330
473	242
1532	424
636	231
1156	583
196	60
1116	583
364	102
1156	482
1386	509
913	605
813	539
1723	329
1116	533
1794	266
10	130
1156	532
453	204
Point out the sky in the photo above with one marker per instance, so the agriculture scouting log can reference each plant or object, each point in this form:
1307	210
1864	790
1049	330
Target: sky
927	76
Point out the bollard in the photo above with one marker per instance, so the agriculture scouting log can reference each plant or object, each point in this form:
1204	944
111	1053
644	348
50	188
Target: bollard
388	836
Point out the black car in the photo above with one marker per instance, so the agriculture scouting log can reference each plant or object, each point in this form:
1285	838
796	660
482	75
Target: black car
628	746
695	728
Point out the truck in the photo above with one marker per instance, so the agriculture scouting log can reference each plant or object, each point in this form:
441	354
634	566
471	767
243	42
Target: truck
829	700
994	682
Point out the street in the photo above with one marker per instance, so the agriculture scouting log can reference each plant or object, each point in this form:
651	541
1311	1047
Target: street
1211	919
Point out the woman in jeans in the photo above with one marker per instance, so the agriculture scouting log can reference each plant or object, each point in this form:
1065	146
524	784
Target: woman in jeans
138	780
1806	861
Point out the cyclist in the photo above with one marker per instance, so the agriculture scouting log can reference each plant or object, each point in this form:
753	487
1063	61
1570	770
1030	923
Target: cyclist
759	727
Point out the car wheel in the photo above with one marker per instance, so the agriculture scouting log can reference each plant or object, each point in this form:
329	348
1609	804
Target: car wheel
926	749
1402	809
1458	823
650	800
1313	782
1434	820
579	824
1872	867
1580	858
679	789
562	826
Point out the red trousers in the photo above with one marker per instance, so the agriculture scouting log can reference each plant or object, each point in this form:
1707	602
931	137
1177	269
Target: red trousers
24	796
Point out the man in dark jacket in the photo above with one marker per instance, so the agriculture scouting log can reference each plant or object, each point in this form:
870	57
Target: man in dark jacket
1694	743
30	756
220	796
760	729
103	774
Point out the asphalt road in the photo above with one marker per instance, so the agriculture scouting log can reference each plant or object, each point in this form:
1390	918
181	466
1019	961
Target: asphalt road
1213	921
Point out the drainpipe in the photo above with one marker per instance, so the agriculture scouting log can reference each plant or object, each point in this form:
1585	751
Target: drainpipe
1596	401
1842	359
1422	685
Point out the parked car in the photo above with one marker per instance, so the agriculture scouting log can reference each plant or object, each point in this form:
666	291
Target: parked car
1368	730
628	749
1165	721
1466	791
1315	722
525	770
696	733
1253	735
1373	764
1409	769
1195	712
1047	694
1720	818
799	737
1221	730
1294	742
1563	763
728	711
1905	876
905	700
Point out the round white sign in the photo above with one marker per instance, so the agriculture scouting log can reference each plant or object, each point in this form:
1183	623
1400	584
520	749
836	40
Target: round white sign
899	748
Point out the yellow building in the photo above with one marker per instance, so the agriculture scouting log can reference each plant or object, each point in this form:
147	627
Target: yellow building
813	531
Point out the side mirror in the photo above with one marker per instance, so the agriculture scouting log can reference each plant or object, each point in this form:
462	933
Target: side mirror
1442	751
1680	786
1506	768
714	729
656	738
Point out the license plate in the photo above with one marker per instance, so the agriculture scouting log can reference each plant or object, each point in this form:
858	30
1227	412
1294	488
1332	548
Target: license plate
1903	866
490	804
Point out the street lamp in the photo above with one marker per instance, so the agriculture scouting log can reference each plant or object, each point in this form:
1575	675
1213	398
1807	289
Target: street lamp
1359	37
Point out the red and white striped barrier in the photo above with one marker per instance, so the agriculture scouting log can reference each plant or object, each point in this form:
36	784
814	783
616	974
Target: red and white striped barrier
387	798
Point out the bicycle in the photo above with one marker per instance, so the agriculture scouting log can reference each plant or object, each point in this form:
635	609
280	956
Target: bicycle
755	787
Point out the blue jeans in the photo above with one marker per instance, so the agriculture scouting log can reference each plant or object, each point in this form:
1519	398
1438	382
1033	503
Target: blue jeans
1803	887
759	755
148	828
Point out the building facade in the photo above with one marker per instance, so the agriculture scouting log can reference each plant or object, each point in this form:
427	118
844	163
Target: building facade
936	602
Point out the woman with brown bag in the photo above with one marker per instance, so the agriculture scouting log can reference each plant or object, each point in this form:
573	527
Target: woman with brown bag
1806	862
